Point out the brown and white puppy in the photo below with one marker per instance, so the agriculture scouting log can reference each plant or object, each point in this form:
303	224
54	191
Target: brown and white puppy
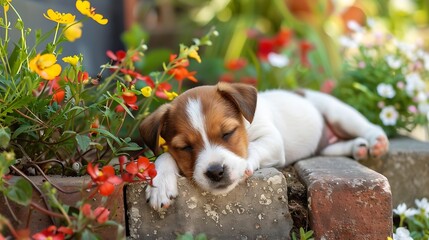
218	135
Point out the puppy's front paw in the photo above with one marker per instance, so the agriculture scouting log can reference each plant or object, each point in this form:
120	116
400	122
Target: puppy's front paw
161	195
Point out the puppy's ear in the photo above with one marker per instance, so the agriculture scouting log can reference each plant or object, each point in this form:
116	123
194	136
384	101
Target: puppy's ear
151	127
242	95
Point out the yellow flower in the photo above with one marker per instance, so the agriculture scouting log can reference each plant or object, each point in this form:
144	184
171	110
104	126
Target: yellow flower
146	91
59	17
45	65
6	6
194	54
73	31
170	95
85	8
73	60
162	143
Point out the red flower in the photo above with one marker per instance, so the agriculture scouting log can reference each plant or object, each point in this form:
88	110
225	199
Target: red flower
130	100
226	77
53	233
305	47
236	64
142	169
328	86
58	96
104	178
82	77
273	44
283	38
100	214
265	47
180	71
119	56
249	80
160	90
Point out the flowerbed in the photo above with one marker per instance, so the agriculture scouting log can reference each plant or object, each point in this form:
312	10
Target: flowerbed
57	119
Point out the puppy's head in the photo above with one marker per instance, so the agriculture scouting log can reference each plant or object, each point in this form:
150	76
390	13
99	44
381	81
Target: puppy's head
205	131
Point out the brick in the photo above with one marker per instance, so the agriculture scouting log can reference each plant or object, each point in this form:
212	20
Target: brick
256	209
346	199
407	169
39	221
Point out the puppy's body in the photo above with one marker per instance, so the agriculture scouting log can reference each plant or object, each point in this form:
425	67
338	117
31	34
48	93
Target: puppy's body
218	135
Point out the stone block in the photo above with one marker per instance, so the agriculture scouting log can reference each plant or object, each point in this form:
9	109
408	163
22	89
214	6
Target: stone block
406	166
255	209
346	199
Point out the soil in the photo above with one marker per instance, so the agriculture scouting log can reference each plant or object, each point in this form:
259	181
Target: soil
297	199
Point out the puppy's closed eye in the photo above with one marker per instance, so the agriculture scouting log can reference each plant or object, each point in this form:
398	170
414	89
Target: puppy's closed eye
187	148
227	135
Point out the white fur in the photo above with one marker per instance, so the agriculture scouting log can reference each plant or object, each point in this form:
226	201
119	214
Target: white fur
286	128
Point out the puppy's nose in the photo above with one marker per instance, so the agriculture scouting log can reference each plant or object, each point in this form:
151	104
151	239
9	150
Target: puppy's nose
215	172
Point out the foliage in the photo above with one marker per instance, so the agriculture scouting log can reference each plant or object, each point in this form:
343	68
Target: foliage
303	235
413	222
55	118
384	78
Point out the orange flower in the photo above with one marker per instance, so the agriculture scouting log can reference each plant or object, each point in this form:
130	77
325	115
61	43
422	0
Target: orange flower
180	72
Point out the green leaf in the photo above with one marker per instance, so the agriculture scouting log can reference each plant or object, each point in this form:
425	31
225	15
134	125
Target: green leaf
133	37
20	192
4	137
87	234
14	60
83	141
106	134
21	129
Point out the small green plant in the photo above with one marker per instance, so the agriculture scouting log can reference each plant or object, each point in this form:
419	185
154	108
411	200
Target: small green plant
190	236
303	235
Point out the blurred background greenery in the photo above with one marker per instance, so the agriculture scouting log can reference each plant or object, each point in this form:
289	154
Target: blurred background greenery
321	22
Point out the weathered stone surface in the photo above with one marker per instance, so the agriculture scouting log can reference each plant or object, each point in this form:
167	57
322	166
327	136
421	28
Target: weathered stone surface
346	200
407	169
38	221
256	209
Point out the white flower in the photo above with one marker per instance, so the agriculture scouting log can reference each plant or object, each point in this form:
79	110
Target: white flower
414	83
400	209
421	97
423	205
348	42
354	26
393	62
389	116
423	108
278	60
402	234
385	90
411	212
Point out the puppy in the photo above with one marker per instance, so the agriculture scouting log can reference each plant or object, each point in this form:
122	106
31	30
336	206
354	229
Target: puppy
219	135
